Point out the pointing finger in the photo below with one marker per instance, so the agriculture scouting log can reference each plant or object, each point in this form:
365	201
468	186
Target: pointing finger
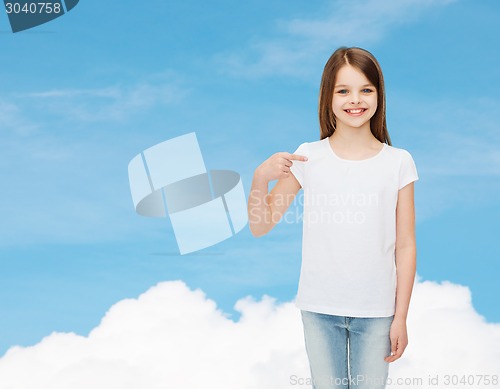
296	157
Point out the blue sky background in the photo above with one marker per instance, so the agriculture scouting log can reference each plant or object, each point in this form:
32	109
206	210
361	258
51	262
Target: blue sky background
82	95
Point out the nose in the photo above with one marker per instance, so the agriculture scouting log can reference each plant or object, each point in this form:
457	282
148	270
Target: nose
355	98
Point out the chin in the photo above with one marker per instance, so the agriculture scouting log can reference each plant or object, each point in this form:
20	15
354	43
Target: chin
356	125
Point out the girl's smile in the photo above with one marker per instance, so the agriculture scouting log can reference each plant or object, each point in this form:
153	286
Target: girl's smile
356	112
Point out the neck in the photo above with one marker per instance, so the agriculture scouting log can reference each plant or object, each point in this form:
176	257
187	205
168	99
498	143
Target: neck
350	136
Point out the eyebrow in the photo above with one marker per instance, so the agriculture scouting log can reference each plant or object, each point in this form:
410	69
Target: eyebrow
362	86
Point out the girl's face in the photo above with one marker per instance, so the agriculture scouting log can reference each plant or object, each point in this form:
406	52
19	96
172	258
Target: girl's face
354	99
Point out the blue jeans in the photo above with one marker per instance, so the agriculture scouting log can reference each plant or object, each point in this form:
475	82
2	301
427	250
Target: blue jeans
347	352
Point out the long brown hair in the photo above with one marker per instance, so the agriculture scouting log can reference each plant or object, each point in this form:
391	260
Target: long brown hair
366	63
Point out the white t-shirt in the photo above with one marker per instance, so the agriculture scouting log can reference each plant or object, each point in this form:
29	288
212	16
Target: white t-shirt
349	229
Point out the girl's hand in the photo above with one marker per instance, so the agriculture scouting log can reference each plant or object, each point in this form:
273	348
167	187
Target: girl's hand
399	339
277	166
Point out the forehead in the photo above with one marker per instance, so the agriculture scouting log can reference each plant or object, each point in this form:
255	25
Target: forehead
349	75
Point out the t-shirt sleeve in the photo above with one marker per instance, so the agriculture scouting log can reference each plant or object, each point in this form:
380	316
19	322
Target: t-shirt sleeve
298	167
408	170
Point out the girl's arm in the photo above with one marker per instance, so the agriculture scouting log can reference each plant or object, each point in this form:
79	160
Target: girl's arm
266	209
406	260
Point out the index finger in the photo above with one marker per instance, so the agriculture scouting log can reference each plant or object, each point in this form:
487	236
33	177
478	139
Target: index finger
297	157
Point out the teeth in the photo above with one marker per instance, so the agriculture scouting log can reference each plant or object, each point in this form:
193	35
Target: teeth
355	110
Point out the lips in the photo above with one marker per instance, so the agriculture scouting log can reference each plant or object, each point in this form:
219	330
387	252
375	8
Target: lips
355	111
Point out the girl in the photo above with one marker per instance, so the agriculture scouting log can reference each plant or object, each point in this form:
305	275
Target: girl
358	247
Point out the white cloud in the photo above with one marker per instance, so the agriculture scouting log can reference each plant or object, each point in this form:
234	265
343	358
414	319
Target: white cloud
297	45
174	337
170	337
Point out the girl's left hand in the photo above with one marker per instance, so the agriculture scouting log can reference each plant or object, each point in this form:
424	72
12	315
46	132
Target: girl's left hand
399	339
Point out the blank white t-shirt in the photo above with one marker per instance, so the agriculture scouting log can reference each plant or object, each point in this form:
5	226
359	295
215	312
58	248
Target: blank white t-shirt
349	229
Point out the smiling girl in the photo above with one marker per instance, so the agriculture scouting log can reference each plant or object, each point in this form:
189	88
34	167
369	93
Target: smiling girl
358	256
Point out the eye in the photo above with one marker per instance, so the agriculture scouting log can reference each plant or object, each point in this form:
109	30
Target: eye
367	90
342	91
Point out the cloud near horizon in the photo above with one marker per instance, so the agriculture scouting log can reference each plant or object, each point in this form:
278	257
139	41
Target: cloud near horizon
173	337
